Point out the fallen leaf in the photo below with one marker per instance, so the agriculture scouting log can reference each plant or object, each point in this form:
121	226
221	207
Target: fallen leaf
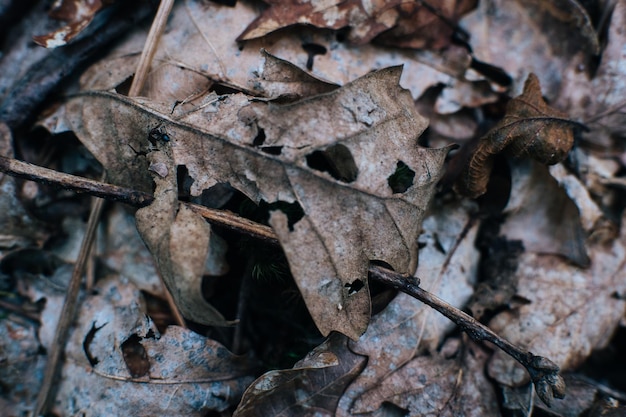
210	55
411	25
183	373
524	37
311	388
576	307
282	80
237	142
77	13
530	128
447	383
407	327
542	215
125	253
179	240
598	100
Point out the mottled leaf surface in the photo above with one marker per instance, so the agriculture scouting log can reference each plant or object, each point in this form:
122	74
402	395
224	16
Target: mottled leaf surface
311	388
364	131
133	367
404	24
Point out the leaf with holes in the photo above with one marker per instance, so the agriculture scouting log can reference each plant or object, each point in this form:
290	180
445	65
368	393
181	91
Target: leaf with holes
117	361
346	161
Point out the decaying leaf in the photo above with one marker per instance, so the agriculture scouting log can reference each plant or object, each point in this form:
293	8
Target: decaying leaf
77	14
530	128
311	388
576	307
132	367
125	252
179	240
446	383
210	55
334	154
415	25
542	215
599	100
533	36
406	327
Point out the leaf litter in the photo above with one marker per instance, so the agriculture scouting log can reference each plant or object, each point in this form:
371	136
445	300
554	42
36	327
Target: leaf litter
451	369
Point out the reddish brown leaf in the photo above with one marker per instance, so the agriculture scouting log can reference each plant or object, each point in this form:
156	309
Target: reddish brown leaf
77	13
530	128
406	24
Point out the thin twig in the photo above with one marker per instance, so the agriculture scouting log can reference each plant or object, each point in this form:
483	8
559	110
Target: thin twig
46	392
156	30
128	196
543	372
95	188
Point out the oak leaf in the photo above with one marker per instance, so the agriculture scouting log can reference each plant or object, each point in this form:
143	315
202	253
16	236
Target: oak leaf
406	327
210	56
334	154
180	240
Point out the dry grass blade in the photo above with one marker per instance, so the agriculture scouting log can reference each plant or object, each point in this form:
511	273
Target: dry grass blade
46	393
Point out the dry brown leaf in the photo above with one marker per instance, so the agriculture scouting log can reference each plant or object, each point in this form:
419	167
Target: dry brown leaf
177	373
542	215
524	37
599	102
77	14
413	25
180	241
530	129
447	383
447	268
311	388
576	307
369	120
210	53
